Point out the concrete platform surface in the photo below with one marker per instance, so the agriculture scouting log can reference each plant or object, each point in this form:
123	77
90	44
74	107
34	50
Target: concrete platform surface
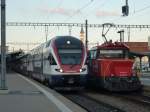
145	75
145	81
26	95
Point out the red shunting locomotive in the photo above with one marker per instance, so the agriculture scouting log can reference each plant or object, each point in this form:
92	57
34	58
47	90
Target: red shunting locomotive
110	68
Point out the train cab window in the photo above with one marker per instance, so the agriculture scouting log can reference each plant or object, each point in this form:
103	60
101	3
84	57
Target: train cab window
51	60
111	54
48	43
93	54
70	56
126	54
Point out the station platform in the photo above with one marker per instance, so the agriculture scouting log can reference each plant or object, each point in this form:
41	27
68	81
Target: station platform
145	78
27	95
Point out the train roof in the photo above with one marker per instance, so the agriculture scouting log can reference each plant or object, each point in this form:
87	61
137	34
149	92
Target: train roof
111	45
58	40
61	41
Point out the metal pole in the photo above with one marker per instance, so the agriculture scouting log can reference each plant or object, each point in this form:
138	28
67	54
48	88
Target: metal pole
69	30
127	2
128	34
86	34
46	32
28	47
121	35
3	47
149	62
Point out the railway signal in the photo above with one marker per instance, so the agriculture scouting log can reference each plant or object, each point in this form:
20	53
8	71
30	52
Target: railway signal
125	9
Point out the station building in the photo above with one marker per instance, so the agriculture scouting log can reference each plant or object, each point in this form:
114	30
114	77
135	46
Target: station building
141	52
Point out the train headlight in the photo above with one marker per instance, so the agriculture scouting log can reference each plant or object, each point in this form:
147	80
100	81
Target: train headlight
82	69
68	42
59	70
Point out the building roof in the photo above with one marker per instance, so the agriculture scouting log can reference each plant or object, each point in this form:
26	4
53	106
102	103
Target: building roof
138	46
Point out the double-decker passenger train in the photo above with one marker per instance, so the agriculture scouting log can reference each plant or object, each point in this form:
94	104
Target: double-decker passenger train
110	68
60	62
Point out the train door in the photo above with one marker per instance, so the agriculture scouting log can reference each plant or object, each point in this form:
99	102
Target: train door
92	61
30	64
49	65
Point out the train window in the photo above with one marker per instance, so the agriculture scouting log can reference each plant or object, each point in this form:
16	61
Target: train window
48	43
70	51
70	56
126	54
51	60
93	54
111	54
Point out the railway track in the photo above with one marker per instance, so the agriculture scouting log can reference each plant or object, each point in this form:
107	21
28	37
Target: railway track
136	97
90	104
129	102
142	98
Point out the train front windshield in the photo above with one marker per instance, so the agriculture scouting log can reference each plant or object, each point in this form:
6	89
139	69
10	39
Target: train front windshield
70	56
113	54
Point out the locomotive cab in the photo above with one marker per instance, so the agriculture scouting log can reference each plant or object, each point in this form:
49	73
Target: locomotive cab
110	68
70	70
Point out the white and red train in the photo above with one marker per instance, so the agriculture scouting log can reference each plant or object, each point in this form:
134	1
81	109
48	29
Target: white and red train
60	62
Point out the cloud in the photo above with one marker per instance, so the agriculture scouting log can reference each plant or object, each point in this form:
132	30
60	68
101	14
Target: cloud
59	11
106	14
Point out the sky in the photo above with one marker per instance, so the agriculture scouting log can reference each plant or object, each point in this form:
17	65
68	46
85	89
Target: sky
75	11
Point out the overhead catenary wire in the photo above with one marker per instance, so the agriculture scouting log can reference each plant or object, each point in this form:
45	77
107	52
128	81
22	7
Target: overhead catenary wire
72	25
99	5
76	12
82	8
133	5
142	9
60	3
133	13
79	10
75	25
47	31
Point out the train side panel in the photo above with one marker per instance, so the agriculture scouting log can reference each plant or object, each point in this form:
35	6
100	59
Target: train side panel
118	68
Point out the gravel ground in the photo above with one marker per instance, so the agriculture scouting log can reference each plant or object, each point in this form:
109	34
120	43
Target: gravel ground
120	103
91	105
